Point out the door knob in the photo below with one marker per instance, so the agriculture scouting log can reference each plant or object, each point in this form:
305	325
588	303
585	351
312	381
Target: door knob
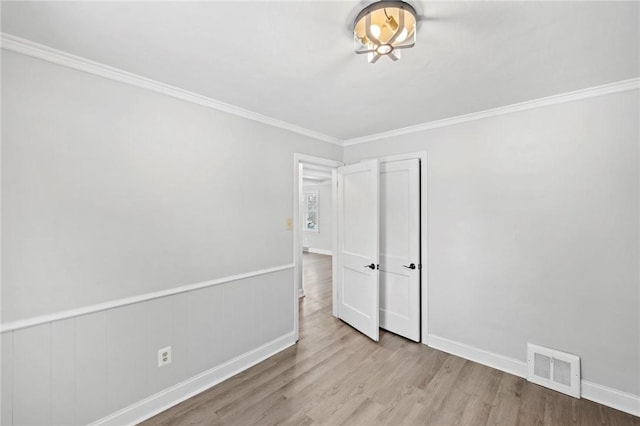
371	266
410	266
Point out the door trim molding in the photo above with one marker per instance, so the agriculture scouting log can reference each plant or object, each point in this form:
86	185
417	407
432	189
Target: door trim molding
298	160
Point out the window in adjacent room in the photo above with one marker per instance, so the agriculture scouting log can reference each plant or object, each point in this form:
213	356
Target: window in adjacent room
311	210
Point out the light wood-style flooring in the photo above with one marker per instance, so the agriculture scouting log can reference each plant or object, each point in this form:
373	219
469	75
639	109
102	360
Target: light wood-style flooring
335	375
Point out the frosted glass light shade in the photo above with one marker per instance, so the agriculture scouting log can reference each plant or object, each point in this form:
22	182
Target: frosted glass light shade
383	28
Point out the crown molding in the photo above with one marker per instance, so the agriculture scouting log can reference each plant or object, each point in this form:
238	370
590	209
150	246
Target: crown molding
40	51
36	50
591	92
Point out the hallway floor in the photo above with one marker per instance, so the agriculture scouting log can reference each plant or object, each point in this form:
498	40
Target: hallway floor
335	375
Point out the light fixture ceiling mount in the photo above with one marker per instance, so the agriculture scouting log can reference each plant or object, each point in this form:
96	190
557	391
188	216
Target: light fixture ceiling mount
384	28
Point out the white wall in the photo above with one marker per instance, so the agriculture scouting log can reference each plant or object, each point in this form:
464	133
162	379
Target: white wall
533	232
111	191
323	239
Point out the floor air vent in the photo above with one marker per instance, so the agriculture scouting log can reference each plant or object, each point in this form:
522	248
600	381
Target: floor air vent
553	369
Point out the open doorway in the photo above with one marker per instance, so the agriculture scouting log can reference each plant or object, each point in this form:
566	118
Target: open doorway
399	294
317	231
315	184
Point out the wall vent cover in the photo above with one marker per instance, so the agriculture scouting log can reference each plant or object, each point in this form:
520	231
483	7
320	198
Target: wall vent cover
553	369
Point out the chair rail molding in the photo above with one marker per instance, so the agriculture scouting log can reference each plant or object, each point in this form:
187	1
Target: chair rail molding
72	313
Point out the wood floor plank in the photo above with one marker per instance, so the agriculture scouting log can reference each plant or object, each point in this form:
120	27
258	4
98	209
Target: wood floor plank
335	375
300	371
532	407
507	402
558	411
442	382
365	414
398	408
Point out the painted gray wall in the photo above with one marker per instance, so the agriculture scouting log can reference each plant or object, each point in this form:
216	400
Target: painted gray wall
78	370
533	232
110	190
323	239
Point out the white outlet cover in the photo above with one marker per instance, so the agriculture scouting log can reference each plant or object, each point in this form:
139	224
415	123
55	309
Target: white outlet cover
164	356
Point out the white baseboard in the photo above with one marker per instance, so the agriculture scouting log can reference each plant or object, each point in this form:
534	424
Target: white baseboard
623	401
493	360
169	397
320	251
300	293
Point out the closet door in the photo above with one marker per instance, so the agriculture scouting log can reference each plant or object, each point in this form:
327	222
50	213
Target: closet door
400	247
358	262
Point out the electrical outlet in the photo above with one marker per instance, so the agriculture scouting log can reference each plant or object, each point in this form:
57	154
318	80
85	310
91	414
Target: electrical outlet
289	224
164	356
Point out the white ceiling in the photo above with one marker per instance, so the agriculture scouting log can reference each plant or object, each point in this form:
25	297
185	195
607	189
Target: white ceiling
294	60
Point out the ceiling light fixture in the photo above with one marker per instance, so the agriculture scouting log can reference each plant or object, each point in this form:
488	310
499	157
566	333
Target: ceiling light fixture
384	28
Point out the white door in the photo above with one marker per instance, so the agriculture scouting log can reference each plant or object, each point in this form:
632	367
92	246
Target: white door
400	247
358	229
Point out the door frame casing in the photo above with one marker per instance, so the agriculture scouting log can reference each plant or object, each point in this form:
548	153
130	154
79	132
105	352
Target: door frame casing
297	232
298	161
424	270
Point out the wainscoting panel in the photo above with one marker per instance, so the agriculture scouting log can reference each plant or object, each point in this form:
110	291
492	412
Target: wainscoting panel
272	319
32	376
103	366
204	334
91	369
247	334
166	325
126	355
63	366
6	405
